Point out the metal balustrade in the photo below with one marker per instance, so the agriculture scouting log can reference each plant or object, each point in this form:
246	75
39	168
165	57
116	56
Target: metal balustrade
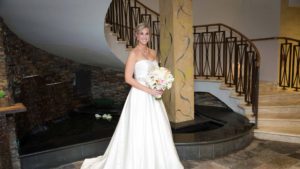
219	50
222	52
289	69
289	61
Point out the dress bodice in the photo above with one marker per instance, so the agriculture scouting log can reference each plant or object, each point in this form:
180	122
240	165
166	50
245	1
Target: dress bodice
142	68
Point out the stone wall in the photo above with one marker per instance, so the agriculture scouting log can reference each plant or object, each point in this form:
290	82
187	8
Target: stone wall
3	69
109	84
5	155
41	81
44	83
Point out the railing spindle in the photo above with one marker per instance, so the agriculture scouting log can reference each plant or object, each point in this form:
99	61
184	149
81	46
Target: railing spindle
219	50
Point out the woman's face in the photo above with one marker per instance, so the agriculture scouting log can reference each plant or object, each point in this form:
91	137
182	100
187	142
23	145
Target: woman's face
143	36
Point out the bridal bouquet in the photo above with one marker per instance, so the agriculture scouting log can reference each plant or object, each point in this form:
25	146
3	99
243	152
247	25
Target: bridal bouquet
159	78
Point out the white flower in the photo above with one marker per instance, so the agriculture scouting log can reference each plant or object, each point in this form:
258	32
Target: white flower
97	116
159	78
107	117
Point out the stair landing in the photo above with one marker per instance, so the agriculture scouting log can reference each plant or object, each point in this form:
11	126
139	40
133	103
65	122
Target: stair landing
278	114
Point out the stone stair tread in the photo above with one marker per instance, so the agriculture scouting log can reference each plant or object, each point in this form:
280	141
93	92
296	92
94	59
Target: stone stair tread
281	94
121	41
210	79
279	119
279	116
288	98
248	108
279	130
277	103
276	115
277	91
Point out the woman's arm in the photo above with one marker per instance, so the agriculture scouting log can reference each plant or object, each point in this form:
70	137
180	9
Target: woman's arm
129	69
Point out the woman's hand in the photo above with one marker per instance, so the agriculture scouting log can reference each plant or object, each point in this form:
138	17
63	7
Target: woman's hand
155	92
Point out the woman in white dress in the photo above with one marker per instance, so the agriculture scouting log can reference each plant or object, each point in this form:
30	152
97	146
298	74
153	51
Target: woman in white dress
143	137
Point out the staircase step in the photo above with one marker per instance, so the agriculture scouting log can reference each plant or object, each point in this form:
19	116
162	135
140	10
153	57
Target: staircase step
277	91
288	123
122	42
210	79
273	109
276	116
291	135
281	102
268	86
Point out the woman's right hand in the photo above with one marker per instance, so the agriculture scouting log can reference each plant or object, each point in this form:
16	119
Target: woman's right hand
155	92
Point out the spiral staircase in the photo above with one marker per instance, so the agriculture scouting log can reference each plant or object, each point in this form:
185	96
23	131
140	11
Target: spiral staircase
98	41
57	30
236	82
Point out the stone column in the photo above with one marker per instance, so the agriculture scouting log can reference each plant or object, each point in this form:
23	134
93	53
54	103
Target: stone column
176	44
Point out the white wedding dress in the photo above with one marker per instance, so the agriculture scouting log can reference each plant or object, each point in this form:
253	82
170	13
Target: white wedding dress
143	138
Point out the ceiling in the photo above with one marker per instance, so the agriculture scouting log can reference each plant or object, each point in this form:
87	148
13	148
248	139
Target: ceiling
72	29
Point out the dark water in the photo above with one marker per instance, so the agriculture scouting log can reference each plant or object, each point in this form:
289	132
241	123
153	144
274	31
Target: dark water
81	125
71	129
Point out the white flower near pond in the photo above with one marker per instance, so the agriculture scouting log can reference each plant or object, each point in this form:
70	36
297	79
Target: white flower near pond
107	117
97	116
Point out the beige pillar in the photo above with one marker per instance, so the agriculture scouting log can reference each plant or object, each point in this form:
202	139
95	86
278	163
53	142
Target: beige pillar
176	44
289	20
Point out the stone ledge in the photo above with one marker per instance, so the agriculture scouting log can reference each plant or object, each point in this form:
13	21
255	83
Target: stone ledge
13	109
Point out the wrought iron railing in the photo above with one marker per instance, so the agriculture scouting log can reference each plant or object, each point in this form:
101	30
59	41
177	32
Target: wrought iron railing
219	51
223	52
124	15
289	62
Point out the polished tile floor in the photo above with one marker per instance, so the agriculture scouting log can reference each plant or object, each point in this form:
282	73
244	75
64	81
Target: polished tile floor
259	154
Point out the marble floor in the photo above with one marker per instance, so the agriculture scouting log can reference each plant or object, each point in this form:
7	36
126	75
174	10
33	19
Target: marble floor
259	154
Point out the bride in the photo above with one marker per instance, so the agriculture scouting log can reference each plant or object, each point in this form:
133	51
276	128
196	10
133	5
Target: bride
143	138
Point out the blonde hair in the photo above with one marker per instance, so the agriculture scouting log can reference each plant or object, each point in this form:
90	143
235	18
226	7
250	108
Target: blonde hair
139	27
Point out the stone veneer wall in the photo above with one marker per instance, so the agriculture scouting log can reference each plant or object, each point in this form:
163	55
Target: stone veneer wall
5	160
107	83
41	81
3	70
44	82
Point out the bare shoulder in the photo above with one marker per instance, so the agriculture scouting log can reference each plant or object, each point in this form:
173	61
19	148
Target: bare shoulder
132	56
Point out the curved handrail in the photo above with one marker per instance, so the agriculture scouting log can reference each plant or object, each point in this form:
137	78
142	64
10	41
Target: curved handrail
276	38
124	15
289	61
222	51
239	33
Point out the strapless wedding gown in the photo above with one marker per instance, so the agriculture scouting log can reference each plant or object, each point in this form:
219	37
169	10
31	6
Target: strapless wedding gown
143	137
